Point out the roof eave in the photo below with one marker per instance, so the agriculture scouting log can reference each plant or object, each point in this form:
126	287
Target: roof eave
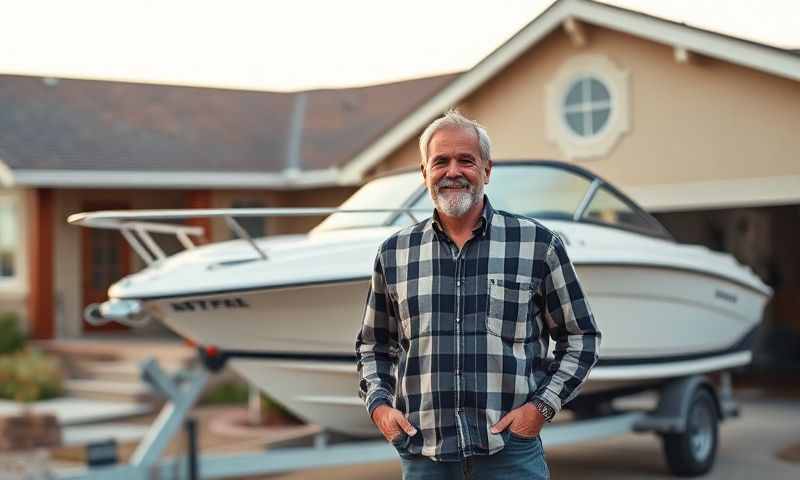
6	175
749	54
716	194
137	179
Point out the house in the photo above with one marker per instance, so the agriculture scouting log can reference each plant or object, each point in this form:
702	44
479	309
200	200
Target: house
698	127
68	146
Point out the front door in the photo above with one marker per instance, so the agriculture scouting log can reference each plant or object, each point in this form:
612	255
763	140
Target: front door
106	258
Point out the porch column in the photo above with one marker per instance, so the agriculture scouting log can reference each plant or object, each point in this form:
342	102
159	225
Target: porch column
200	199
40	264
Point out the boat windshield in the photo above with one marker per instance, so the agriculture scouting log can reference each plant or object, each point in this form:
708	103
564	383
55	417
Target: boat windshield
392	191
542	191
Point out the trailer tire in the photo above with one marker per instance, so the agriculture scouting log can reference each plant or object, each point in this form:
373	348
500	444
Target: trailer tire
692	453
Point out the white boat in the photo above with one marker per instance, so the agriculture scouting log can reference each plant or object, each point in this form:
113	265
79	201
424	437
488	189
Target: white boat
285	310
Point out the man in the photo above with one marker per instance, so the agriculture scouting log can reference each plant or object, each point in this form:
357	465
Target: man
452	350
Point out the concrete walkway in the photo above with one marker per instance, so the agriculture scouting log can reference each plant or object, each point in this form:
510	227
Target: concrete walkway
76	411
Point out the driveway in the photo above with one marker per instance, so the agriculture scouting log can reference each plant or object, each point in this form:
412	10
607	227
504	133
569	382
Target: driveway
748	448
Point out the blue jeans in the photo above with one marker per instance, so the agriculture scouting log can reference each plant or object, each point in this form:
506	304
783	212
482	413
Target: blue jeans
521	458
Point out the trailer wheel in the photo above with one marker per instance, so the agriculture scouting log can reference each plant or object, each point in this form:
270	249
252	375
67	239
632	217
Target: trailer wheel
692	453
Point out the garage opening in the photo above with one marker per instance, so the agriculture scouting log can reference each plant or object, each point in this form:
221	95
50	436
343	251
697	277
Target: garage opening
767	239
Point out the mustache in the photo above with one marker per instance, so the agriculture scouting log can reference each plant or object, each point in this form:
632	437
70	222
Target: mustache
445	182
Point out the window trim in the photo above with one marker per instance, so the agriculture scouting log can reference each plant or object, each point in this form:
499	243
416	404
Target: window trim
614	79
16	284
563	112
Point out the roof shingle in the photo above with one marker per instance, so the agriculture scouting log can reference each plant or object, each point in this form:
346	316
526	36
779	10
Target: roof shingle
48	124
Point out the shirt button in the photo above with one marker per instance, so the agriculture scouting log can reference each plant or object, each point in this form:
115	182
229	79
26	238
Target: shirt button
458	283
458	320
458	372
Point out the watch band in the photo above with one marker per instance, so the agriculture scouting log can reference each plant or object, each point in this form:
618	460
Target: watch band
546	410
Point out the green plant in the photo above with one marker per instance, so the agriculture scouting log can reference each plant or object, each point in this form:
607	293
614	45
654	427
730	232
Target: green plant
29	375
11	337
271	407
229	393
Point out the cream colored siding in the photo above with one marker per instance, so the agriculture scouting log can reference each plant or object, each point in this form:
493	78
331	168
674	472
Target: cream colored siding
405	157
703	121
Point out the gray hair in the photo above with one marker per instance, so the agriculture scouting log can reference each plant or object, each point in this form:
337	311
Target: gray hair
453	118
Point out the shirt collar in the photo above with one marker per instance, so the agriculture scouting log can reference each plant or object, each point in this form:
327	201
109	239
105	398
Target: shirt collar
483	222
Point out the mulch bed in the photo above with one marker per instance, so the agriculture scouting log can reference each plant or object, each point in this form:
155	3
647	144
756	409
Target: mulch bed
790	453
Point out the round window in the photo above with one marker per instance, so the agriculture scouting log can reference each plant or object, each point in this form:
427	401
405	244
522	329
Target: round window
587	106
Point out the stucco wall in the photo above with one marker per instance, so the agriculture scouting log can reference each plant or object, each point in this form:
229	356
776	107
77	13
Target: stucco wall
706	120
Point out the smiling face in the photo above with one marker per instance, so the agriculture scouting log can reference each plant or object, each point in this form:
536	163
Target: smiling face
454	171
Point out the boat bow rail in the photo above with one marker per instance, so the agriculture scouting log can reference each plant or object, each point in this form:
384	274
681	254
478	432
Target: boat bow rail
138	225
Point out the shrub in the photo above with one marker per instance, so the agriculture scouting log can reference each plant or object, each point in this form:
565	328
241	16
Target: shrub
11	337
229	393
29	375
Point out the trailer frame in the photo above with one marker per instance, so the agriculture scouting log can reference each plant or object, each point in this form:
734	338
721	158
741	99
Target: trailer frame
671	419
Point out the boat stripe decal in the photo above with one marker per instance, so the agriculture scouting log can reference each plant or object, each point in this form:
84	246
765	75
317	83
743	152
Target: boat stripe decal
205	293
744	344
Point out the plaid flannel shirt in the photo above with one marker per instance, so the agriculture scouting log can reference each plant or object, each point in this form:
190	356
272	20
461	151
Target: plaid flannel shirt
456	339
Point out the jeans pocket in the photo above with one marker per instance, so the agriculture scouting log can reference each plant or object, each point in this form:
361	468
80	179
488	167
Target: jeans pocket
401	441
522	438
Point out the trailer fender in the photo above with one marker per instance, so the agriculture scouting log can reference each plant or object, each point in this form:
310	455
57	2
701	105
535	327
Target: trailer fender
670	416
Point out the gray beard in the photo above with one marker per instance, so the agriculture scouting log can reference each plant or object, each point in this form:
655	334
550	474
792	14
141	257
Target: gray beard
457	204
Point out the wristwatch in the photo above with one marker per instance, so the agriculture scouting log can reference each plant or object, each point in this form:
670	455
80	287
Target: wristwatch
546	410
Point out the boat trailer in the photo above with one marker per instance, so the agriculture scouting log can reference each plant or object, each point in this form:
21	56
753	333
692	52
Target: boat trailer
686	417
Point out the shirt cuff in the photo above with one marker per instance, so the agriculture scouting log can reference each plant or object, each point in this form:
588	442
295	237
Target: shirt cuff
376	400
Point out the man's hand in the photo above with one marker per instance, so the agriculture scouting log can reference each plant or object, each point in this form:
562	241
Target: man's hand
391	422
524	421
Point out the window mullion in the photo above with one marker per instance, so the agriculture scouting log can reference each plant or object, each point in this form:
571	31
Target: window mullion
588	105
599	105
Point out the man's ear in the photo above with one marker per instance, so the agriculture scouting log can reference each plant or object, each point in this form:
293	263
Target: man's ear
424	173
488	169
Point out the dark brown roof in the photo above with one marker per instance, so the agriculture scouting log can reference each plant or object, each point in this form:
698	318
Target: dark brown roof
49	124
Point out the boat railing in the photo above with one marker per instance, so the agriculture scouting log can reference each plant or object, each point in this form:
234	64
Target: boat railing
137	226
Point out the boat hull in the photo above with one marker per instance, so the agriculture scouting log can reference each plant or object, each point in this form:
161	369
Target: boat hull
657	324
324	392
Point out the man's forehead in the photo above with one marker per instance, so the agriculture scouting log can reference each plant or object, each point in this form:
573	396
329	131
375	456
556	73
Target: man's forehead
454	134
